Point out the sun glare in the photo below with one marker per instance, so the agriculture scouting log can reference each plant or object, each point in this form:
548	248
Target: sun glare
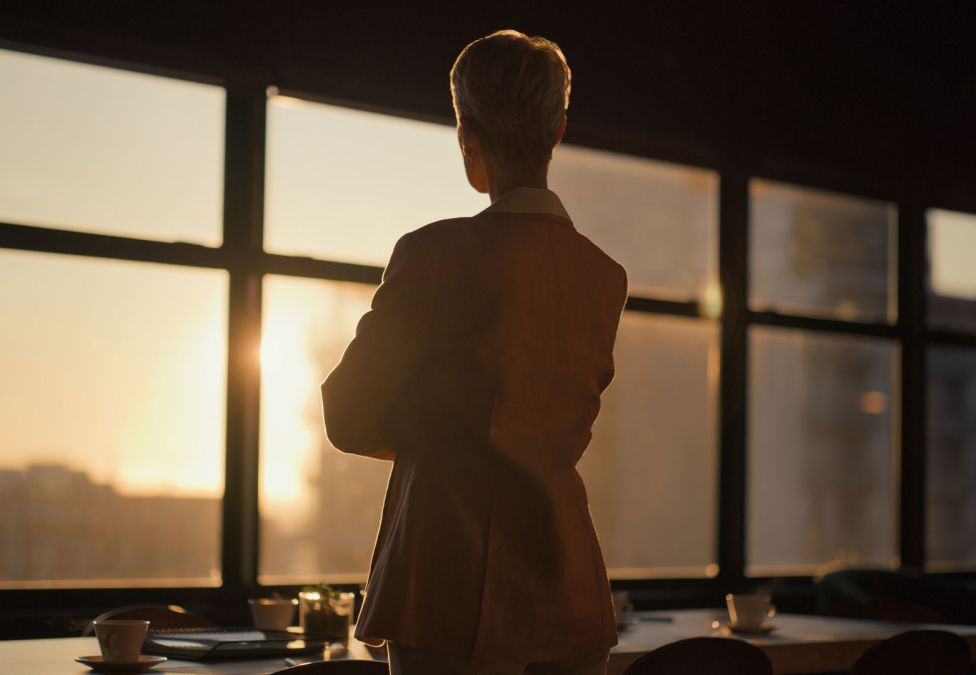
286	371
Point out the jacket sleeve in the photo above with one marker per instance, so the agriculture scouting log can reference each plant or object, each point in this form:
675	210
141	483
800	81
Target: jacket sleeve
391	341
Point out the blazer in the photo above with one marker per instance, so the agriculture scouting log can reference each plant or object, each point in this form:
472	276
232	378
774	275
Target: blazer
478	370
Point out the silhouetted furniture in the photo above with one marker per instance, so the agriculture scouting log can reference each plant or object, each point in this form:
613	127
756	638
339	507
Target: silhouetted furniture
886	595
338	668
932	652
159	616
715	656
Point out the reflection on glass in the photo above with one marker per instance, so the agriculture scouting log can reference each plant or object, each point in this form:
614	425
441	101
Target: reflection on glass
109	151
821	463
951	472
112	395
319	507
344	184
952	276
658	220
821	254
651	469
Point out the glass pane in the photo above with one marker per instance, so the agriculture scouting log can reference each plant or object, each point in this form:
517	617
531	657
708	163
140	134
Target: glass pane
951	507
658	220
952	277
821	465
113	397
320	508
821	254
344	184
109	151
651	470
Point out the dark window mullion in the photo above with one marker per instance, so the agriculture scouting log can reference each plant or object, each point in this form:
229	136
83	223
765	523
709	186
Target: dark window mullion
912	263
244	155
733	390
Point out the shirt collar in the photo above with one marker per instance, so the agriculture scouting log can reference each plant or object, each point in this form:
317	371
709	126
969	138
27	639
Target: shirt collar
529	200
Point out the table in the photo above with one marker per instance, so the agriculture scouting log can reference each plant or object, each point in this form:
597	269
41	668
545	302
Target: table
56	656
800	644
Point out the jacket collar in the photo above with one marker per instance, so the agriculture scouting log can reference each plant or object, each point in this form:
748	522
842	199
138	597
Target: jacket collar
529	200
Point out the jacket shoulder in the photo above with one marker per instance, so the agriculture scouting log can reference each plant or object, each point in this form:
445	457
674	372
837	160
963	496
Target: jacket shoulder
432	233
614	269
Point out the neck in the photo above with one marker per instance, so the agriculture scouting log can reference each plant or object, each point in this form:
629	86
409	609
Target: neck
500	182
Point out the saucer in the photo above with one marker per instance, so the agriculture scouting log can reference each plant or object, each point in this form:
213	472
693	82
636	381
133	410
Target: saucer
765	629
99	664
727	628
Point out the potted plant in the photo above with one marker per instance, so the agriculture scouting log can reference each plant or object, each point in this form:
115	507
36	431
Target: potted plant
326	612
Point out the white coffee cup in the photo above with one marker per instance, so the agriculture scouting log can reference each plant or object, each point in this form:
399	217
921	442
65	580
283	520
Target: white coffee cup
748	612
272	613
121	639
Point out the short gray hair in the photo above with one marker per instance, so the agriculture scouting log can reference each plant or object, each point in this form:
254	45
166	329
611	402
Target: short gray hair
513	90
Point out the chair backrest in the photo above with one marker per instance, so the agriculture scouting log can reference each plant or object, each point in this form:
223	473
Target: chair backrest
159	616
715	656
932	652
342	667
888	595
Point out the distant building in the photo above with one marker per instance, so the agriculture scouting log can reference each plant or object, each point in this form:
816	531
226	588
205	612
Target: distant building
57	525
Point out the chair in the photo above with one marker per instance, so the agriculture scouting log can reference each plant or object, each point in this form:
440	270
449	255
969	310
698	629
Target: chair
714	656
888	595
933	652
159	616
349	667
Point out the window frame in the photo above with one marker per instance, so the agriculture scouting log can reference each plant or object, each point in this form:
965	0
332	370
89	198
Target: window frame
241	254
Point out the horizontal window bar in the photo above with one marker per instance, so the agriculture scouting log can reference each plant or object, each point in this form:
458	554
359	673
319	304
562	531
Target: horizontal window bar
825	325
654	306
944	337
27	238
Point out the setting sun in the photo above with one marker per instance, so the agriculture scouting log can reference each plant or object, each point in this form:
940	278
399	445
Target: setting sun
287	372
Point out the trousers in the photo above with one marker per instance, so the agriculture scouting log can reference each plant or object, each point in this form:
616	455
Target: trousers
410	661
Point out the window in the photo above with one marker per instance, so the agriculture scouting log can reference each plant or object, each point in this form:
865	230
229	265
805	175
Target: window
116	394
114	371
342	185
821	254
651	471
951	393
822	414
952	282
823	409
657	220
320	507
104	150
951	470
113	432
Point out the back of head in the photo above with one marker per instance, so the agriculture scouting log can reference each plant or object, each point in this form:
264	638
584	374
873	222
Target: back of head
512	91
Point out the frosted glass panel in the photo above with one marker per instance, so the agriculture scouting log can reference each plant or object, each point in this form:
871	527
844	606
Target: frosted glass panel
660	221
112	436
821	460
109	151
344	184
651	470
952	275
821	254
951	504
320	508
